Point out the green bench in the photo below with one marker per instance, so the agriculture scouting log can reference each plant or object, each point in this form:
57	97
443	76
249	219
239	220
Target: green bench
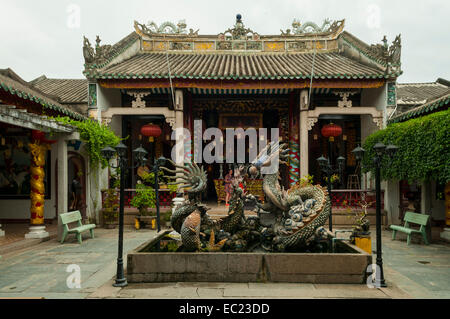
73	217
410	217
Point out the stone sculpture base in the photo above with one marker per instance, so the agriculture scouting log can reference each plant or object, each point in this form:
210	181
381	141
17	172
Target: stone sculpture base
337	268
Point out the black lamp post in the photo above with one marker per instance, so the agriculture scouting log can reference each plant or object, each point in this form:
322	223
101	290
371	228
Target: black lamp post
108	153
380	151
328	169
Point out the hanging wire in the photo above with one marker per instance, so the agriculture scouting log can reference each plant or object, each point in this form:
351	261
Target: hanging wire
312	70
170	75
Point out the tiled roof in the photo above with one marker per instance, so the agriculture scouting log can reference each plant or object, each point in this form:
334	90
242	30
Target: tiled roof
419	93
238	65
436	104
13	84
68	91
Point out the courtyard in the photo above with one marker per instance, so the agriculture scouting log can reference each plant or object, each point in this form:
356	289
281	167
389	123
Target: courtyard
40	271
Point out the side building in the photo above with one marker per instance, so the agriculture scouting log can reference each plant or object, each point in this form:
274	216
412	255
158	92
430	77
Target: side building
40	157
430	197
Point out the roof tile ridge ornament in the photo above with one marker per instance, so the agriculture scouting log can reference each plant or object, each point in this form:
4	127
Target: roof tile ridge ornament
391	55
166	28
309	27
238	32
97	56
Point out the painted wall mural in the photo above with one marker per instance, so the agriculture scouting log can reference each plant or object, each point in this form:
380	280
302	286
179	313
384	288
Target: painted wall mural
15	165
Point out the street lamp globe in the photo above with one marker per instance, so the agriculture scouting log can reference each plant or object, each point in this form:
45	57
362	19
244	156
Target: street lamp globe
379	148
121	150
391	150
108	152
139	154
322	162
161	161
359	153
341	161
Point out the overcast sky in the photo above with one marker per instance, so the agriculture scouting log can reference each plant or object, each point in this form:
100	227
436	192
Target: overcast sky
44	37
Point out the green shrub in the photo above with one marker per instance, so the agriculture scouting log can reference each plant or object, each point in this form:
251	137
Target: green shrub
424	149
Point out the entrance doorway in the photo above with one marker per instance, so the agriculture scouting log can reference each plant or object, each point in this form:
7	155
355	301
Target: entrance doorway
77	183
342	145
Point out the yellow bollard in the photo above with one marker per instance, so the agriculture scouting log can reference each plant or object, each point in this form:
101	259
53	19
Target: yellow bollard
136	224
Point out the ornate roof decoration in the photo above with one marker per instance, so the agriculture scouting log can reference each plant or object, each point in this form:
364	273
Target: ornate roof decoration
312	28
103	54
239	32
165	28
98	56
390	54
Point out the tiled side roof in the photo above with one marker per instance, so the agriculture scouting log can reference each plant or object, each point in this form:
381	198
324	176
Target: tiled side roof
221	65
25	91
436	104
361	47
117	49
71	91
419	93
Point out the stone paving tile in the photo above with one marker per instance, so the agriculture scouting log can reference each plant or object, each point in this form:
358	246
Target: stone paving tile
41	271
164	292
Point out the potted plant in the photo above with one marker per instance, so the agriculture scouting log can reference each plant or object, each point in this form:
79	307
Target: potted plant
361	226
334	179
143	200
110	209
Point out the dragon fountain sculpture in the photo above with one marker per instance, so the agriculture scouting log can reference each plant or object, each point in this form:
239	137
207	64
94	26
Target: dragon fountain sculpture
285	221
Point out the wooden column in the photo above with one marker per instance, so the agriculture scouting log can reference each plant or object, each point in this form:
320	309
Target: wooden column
63	183
294	145
304	151
37	195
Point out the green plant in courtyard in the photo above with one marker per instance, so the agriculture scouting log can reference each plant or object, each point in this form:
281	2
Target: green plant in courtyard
423	149
145	198
95	135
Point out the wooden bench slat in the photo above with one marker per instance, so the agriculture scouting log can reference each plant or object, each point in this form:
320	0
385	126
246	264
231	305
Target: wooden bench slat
70	217
420	219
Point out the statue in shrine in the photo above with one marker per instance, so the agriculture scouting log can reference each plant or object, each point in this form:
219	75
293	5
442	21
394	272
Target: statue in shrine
286	220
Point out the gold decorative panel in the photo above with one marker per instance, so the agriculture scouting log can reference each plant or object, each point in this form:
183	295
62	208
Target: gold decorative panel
160	46
204	46
147	45
274	46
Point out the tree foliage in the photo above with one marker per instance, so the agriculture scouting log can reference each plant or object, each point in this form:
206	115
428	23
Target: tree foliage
424	149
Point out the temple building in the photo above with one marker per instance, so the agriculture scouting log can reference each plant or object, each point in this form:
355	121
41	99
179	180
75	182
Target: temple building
298	81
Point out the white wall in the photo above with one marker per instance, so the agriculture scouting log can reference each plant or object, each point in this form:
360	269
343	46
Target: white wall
107	98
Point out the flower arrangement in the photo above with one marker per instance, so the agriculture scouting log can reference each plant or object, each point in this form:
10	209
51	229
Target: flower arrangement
333	179
306	181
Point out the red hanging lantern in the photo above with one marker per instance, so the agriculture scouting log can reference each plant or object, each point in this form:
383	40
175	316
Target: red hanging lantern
151	131
331	131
